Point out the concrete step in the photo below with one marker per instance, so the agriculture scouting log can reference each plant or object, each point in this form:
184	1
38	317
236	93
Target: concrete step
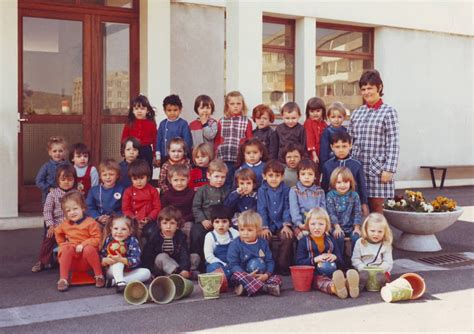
23	221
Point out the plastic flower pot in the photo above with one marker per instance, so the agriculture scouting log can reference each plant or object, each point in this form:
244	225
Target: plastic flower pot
417	284
162	290
302	277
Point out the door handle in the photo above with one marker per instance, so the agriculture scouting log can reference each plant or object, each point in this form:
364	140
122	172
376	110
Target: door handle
22	120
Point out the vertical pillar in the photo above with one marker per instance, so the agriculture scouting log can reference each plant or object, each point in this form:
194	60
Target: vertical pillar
155	51
9	108
305	60
244	50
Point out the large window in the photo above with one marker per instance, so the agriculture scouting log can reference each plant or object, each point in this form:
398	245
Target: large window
278	62
343	53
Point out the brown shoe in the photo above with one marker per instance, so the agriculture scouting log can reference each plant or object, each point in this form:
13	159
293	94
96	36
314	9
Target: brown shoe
37	267
353	283
99	281
339	284
63	285
272	289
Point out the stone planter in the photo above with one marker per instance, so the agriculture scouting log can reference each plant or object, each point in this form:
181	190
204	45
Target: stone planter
419	228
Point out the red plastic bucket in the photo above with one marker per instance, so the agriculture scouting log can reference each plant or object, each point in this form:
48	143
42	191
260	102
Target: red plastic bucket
302	277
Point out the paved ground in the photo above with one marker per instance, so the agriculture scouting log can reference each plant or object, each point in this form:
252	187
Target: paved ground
29	302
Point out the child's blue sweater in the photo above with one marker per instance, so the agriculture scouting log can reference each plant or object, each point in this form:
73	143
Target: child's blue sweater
307	250
344	210
240	253
357	171
273	206
172	129
257	168
303	199
101	201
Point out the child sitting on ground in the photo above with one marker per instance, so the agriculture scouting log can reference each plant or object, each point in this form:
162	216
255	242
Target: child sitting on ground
341	145
216	242
141	201
176	156
129	149
105	199
250	259
274	208
172	127
252	155
46	177
244	197
167	250
78	237
121	254
320	250
305	196
53	215
374	249
292	154
202	156
210	194
86	175
180	196
203	129
343	205
263	117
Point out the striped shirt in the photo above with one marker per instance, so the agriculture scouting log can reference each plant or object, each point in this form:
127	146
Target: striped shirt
168	246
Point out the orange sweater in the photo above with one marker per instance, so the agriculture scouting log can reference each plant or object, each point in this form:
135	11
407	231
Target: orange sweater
85	233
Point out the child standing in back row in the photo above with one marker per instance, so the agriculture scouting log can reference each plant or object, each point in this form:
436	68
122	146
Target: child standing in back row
203	129
233	129
264	117
46	177
141	125
172	127
129	149
86	175
314	125
337	114
290	131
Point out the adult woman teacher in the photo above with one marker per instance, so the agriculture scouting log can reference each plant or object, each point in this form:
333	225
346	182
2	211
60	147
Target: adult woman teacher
375	135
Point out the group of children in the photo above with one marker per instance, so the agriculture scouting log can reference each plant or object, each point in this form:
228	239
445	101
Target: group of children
228	198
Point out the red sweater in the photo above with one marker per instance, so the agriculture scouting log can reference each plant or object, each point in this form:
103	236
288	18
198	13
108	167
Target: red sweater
86	233
141	203
143	129
314	130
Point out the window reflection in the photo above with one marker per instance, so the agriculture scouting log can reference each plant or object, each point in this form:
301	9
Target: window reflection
111	3
277	79
52	66
277	34
342	40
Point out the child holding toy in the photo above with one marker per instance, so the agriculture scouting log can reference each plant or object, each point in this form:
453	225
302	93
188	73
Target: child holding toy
121	254
374	249
78	237
320	250
53	215
250	259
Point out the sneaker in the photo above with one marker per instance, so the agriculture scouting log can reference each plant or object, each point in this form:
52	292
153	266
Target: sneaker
63	285
99	281
120	287
339	284
353	282
37	267
273	289
239	290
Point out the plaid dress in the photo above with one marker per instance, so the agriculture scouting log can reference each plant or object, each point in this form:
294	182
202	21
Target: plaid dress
232	131
375	136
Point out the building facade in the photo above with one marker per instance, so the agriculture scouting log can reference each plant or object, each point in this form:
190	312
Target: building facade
70	67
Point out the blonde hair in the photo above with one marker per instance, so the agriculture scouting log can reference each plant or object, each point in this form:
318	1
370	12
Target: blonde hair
318	213
109	164
56	140
110	224
250	218
203	149
376	218
346	175
337	106
234	94
217	165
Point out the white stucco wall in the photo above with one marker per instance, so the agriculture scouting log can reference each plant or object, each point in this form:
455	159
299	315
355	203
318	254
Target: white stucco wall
197	56
428	78
8	108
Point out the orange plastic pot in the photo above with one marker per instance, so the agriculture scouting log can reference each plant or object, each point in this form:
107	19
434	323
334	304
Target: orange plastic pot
302	277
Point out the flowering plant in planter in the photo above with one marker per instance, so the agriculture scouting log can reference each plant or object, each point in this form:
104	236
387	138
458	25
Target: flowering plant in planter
414	201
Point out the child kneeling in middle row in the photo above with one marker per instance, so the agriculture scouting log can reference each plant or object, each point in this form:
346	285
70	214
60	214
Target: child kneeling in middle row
250	259
319	249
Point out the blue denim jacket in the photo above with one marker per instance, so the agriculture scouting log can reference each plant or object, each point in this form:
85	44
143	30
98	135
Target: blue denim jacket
273	206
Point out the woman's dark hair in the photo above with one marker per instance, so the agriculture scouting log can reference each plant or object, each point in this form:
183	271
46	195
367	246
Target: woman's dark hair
372	77
140	100
135	143
316	103
172	100
251	142
206	101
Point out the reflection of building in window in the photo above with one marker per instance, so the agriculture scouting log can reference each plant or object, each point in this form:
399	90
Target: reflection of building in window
342	56
116	92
